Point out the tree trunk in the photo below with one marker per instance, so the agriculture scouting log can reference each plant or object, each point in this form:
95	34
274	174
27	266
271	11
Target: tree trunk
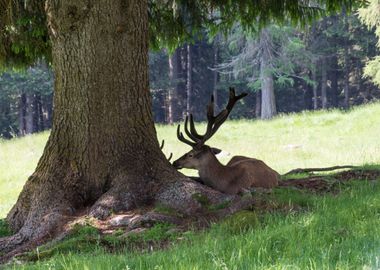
22	114
102	151
268	100
170	95
324	83
258	104
29	116
315	87
47	106
216	74
189	85
346	78
39	113
334	81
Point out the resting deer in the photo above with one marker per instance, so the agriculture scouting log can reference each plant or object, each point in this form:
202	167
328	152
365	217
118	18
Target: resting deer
240	173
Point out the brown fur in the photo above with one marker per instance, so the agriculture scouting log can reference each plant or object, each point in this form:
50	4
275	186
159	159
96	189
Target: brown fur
239	174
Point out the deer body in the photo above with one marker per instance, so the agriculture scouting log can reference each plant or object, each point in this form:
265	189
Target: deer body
239	174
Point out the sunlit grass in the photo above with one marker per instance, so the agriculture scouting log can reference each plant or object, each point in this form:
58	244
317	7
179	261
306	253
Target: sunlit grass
18	159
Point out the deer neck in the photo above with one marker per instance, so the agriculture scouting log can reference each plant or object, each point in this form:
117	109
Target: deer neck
212	172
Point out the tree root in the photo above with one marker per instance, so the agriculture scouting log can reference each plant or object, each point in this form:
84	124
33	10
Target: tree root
151	218
326	169
239	203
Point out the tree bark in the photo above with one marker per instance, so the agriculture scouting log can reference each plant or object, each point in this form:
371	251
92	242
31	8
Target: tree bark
216	74
315	87
39	113
346	78
324	83
258	104
334	81
29	116
21	114
268	99
170	95
189	84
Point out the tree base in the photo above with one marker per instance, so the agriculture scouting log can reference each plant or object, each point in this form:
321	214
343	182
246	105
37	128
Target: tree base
185	197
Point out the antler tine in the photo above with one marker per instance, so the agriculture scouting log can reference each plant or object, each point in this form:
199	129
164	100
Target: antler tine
233	99
195	136
170	157
162	144
183	139
218	120
193	130
210	108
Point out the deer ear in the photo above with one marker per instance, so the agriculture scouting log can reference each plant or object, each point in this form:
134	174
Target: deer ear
215	151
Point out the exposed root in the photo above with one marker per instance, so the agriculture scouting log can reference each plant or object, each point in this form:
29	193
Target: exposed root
111	202
151	218
239	203
326	169
315	183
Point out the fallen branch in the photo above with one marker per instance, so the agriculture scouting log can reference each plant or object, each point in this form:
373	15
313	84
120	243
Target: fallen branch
326	169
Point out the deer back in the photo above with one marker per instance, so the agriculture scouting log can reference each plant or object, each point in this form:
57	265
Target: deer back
252	173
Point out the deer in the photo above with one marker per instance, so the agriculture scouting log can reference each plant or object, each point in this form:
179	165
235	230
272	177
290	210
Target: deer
240	174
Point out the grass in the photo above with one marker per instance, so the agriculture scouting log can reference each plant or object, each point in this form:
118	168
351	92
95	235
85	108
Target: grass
302	231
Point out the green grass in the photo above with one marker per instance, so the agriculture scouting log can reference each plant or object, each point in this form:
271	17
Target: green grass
302	230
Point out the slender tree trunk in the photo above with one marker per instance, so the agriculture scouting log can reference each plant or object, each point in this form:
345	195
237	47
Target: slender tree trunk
346	78
268	100
47	105
315	88
189	85
170	95
334	81
346	62
324	83
216	74
29	117
39	113
258	104
22	114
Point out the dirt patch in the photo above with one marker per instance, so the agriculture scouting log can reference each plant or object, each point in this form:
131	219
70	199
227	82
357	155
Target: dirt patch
330	183
358	175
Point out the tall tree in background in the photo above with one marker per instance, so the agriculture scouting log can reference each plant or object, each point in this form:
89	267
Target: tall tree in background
268	58
102	152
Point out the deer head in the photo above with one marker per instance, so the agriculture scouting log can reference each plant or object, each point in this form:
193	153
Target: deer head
201	153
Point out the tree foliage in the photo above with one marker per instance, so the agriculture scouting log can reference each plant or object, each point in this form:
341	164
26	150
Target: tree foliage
370	15
24	35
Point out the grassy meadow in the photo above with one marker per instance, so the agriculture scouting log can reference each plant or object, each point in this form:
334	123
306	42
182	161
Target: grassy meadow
308	231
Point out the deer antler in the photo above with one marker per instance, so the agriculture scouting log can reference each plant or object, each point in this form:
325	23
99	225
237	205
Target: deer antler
162	147
213	122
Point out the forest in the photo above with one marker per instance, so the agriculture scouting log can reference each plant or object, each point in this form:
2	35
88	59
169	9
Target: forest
313	67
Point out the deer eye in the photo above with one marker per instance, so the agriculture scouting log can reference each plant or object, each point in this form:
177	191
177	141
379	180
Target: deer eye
190	155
